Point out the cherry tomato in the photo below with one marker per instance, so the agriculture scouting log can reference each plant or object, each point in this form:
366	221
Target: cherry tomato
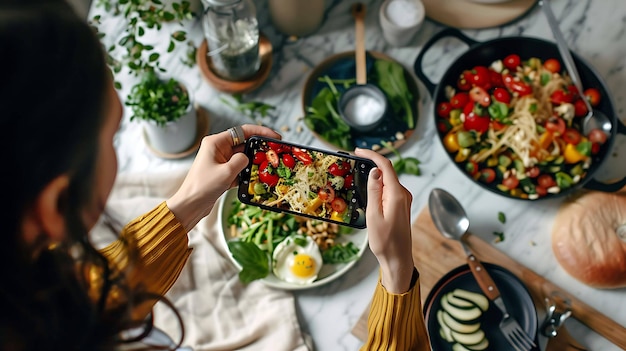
512	62
502	95
552	65
574	91
533	172
497	125
541	191
515	85
302	155
487	175
326	194
272	157
443	109
288	160
265	176
459	100
443	125
496	79
580	109
511	182
277	147
597	136
556	125
471	167
465	81
593	95
481	77
348	181
561	97
546	181
259	157
479	95
339	168
572	136
595	148
477	123
338	205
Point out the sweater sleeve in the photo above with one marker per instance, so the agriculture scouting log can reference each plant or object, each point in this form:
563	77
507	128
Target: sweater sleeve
396	321
151	251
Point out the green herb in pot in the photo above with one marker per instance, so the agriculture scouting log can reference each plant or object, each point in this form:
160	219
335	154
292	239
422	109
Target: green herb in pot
161	101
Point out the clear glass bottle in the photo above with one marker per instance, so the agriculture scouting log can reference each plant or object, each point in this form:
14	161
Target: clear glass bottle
232	33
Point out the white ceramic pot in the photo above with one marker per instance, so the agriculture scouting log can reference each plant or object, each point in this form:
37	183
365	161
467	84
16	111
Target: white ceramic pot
174	137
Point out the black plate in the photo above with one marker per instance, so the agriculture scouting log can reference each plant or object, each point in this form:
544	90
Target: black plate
516	299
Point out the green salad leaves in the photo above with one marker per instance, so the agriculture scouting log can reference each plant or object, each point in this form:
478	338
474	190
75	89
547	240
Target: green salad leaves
322	115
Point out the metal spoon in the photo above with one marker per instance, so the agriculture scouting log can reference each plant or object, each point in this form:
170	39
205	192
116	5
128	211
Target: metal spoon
594	118
451	220
368	93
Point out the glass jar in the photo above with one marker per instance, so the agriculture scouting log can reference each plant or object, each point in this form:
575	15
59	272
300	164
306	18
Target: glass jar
232	33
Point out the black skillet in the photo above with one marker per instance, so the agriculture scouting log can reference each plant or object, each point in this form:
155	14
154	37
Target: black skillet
484	53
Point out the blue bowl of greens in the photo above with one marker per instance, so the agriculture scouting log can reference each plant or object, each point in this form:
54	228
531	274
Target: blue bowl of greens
330	79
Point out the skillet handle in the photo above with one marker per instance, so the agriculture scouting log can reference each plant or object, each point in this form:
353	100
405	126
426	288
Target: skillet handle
417	66
593	184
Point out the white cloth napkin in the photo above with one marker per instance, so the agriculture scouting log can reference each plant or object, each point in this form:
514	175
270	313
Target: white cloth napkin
219	312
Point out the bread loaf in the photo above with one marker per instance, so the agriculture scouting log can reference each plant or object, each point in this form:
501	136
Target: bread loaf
589	239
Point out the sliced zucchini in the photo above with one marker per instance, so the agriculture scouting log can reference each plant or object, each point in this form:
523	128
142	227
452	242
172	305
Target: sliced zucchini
459	327
483	345
468	340
444	330
458	302
459	347
460	314
478	299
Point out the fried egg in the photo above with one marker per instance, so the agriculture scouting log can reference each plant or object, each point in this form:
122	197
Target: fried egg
297	259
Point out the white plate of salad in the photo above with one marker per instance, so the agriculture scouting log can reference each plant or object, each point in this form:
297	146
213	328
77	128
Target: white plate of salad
281	250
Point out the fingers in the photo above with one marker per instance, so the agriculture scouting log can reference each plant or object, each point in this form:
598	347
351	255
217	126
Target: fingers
253	129
381	162
374	192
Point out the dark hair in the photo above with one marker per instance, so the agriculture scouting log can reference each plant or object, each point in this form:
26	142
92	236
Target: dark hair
53	86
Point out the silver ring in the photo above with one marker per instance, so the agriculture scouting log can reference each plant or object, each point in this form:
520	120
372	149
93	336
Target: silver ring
236	133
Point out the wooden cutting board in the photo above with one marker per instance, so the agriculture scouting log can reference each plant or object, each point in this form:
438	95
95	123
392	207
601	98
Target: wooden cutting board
435	256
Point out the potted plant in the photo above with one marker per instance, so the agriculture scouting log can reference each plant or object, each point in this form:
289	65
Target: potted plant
167	111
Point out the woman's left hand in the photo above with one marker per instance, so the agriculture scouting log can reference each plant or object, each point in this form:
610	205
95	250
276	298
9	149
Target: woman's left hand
214	170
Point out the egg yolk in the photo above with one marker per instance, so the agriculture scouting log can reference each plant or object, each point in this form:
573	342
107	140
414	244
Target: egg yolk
303	266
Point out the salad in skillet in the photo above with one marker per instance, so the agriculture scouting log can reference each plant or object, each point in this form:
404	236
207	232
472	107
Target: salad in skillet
516	126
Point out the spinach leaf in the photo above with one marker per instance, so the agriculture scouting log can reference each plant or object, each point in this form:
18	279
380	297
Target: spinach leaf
323	118
254	261
391	80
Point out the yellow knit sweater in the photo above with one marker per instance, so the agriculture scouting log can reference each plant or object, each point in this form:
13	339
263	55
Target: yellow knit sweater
158	248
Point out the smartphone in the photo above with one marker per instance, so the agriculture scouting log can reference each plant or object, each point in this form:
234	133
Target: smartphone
304	181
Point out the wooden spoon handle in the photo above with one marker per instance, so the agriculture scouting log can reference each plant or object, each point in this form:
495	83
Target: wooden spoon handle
358	12
484	280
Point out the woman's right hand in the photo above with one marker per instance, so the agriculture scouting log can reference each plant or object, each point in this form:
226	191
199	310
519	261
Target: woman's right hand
388	218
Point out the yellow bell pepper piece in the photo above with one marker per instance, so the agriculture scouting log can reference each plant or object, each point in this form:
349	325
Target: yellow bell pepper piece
451	142
462	155
572	155
313	206
336	216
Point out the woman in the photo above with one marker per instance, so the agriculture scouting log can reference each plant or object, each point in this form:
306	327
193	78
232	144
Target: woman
60	112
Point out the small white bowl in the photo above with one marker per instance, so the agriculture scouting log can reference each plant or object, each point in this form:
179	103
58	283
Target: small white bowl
400	20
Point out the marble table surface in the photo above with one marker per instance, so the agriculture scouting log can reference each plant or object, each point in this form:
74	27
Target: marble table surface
595	29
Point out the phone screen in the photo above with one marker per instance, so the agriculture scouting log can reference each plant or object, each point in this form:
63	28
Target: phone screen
285	177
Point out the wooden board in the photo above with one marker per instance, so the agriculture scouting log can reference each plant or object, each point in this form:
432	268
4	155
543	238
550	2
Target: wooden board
435	256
